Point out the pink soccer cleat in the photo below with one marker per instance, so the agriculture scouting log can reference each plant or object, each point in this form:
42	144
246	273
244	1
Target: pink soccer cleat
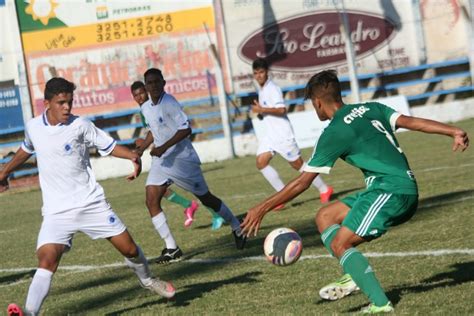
325	197
189	213
14	310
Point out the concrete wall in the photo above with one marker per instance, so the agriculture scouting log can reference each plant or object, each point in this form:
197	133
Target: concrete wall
210	151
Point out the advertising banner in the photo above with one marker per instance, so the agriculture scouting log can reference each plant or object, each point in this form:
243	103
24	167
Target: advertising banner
300	38
10	108
103	46
10	105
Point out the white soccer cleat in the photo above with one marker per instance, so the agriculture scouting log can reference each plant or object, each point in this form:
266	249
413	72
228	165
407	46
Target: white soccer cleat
339	289
163	288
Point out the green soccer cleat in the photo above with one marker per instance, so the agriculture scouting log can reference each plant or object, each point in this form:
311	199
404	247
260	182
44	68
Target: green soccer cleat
339	289
372	309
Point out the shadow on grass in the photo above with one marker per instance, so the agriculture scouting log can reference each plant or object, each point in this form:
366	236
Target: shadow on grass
12	278
334	197
460	273
443	199
208	169
115	276
196	291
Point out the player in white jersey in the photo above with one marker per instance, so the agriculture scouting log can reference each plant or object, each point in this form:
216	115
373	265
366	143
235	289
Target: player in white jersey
174	161
190	207
279	137
72	199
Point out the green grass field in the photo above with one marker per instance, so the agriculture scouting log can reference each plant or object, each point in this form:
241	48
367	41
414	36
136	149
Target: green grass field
215	278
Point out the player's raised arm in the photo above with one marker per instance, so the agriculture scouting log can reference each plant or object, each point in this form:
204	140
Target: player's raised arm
460	138
18	159
125	153
255	215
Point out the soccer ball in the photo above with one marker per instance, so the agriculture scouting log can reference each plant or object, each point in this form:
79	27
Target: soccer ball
283	246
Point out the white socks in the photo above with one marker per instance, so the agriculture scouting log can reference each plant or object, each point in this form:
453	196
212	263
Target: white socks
318	182
139	265
159	221
38	291
273	178
229	217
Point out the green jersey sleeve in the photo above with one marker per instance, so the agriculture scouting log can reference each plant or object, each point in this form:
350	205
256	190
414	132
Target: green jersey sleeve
143	120
389	114
332	144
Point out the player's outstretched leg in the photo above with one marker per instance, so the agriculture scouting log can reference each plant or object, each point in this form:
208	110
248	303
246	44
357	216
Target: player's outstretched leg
49	256
213	202
357	266
171	252
190	206
136	260
343	286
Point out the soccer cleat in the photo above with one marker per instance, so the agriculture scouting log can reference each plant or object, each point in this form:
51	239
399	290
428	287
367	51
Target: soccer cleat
163	288
240	239
169	255
217	222
189	213
326	196
278	207
14	310
339	289
372	309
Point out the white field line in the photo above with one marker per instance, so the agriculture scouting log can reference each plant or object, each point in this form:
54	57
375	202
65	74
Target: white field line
446	167
428	253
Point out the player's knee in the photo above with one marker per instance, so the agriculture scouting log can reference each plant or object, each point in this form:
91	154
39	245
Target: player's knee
48	262
261	164
211	201
323	218
130	251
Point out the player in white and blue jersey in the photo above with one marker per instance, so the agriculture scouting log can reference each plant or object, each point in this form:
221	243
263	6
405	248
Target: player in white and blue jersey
72	199
279	137
174	161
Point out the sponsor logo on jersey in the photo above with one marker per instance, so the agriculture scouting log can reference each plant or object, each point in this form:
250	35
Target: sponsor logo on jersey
411	175
355	113
369	181
112	219
368	270
67	149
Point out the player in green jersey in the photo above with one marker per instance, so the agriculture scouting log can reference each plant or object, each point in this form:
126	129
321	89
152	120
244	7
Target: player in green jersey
363	136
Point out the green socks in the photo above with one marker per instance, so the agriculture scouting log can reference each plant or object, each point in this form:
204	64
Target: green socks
328	235
358	267
178	199
355	264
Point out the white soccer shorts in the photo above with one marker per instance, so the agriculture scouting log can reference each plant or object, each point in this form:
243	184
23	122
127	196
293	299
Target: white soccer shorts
97	220
288	148
186	174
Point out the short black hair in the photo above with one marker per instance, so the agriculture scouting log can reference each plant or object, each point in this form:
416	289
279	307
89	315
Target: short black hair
137	85
260	63
324	85
155	71
57	85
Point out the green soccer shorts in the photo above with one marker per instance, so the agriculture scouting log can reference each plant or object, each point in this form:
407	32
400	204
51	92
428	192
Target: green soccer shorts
374	211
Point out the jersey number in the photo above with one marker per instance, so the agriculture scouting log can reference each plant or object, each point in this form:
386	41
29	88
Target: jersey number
382	129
